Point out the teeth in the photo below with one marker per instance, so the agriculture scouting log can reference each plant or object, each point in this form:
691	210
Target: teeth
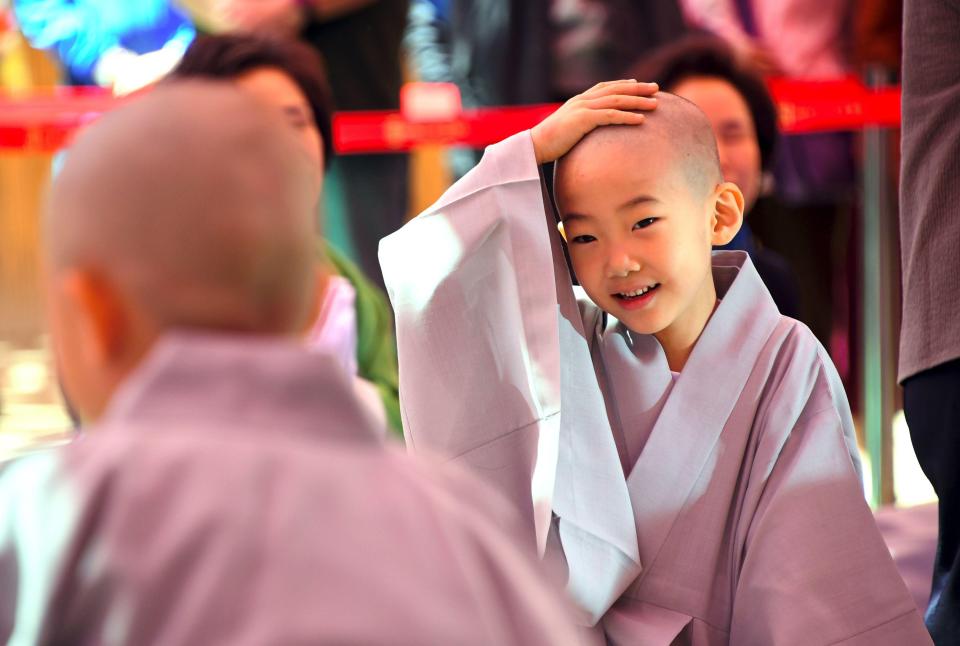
639	292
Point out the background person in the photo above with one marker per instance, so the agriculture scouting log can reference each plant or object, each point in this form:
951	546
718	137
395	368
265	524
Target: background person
353	319
113	43
359	41
929	231
736	101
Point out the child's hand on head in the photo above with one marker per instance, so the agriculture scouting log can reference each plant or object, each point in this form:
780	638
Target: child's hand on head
608	103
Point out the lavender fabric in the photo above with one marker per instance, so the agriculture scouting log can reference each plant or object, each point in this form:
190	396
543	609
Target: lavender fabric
740	517
236	493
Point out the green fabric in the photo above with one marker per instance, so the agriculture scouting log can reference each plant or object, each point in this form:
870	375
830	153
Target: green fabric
376	343
332	217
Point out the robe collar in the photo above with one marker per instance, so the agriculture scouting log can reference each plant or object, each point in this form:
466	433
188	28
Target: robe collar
599	508
697	410
236	383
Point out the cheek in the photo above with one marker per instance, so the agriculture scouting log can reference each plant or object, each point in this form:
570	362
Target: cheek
747	165
580	262
587	267
313	145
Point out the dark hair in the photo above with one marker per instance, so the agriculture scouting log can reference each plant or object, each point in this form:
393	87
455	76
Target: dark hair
228	56
700	55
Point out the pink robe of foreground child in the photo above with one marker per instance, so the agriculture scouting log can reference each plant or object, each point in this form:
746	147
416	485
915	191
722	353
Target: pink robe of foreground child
236	493
725	507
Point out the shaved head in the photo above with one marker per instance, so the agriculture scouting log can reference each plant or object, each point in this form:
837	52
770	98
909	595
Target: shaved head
196	204
677	130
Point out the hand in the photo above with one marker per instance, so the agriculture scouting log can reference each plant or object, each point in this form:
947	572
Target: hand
278	17
605	104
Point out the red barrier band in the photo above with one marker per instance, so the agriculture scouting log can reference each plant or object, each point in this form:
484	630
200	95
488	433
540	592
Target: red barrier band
45	123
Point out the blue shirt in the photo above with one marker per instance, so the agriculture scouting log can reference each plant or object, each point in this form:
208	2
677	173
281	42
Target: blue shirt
79	32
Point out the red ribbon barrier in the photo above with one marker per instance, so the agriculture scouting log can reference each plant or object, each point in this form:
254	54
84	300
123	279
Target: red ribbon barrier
842	104
45	123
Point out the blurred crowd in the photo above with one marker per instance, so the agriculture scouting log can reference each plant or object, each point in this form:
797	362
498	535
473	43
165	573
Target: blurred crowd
801	190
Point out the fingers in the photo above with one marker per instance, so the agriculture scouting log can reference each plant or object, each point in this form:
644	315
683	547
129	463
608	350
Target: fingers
621	102
613	117
629	87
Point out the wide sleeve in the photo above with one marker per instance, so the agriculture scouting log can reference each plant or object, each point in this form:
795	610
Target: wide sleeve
472	283
815	569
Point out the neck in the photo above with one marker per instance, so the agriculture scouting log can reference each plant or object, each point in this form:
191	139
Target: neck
678	339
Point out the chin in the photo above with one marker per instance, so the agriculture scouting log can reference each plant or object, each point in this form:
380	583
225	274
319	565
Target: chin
648	322
643	327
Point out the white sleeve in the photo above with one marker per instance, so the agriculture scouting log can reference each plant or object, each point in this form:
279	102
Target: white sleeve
473	282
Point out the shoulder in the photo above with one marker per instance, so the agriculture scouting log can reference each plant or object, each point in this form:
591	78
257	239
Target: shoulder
803	388
794	377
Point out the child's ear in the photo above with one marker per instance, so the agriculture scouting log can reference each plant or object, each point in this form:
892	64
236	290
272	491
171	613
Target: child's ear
727	213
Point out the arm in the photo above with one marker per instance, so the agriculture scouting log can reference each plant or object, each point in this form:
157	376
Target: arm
472	290
473	285
720	18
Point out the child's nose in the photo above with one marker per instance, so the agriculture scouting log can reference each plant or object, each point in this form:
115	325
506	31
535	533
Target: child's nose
621	264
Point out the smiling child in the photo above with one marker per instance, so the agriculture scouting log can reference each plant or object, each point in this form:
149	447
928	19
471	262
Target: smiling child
682	449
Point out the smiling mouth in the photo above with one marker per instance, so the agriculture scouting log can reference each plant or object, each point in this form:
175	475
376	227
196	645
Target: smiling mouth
637	294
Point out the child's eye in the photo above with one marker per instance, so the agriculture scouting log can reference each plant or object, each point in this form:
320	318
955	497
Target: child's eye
643	224
584	239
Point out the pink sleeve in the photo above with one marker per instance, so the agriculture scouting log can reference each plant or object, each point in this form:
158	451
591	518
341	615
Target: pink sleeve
472	285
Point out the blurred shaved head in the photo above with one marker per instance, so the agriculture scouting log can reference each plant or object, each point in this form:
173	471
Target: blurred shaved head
196	205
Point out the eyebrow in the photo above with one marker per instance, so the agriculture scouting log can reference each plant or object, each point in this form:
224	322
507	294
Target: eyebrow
575	217
629	204
295	111
636	201
732	124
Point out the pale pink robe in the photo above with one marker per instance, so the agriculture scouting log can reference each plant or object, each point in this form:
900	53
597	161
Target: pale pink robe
236	493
